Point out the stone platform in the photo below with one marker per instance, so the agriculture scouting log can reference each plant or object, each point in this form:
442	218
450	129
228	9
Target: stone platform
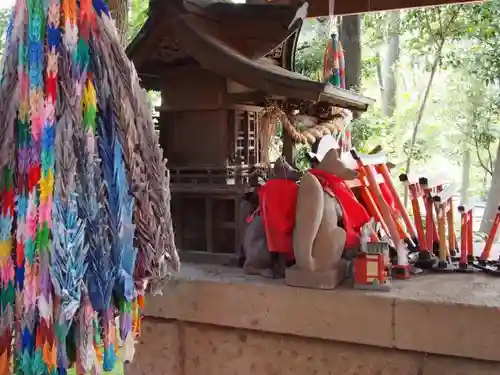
217	321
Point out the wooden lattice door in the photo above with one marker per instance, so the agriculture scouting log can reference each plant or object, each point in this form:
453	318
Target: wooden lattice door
246	135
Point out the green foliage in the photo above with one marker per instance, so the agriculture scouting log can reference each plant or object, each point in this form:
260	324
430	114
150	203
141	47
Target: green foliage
310	51
370	66
301	158
428	27
478	49
374	28
463	110
309	59
4	20
138	15
367	128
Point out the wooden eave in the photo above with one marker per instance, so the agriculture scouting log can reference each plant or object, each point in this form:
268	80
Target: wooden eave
253	30
147	40
180	20
225	61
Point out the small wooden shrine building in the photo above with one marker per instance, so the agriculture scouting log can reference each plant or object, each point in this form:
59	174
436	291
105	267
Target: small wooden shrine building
218	65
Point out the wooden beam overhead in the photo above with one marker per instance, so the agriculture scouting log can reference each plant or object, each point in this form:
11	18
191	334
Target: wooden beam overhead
319	8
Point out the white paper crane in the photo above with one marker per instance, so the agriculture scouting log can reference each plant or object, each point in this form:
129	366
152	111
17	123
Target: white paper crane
300	14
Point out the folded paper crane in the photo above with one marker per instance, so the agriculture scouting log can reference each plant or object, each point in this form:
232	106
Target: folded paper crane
84	192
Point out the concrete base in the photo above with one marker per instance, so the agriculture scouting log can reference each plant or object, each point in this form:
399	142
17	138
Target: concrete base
179	348
328	280
375	288
217	321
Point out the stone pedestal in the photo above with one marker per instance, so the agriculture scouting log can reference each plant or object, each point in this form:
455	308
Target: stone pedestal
214	320
329	279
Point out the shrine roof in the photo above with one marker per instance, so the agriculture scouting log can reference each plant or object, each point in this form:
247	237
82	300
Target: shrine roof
253	30
260	74
209	33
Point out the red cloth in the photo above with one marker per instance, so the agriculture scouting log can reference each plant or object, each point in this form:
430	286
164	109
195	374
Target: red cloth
355	215
278	205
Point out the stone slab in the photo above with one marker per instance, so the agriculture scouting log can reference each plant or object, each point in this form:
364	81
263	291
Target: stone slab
159	350
412	316
179	348
458	289
434	365
328	279
214	350
269	305
443	328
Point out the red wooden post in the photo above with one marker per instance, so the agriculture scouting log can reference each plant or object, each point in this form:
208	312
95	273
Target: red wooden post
384	171
378	198
415	193
429	221
374	167
442	203
470	236
369	202
385	211
466	240
485	255
463	236
452	238
432	235
441	223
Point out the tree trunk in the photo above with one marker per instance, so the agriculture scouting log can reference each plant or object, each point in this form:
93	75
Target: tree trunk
350	37
421	111
380	77
391	59
464	191
467	156
493	200
119	12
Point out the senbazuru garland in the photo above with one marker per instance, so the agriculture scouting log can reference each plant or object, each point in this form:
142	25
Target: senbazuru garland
85	226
